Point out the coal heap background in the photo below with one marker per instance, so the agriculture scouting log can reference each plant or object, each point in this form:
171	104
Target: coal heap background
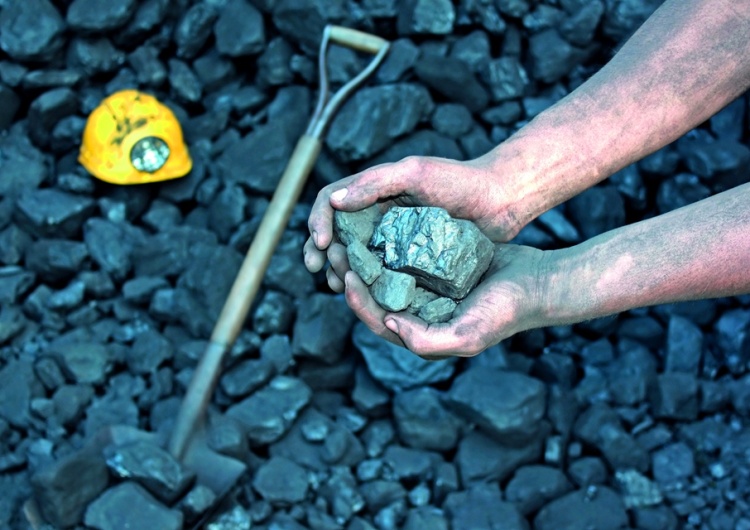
109	293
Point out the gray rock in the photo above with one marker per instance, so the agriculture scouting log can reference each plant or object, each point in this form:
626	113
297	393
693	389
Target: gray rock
395	367
426	517
406	464
13	244
482	459
274	313
447	256
110	410
322	328
675	396
148	68
587	471
99	15
111	245
638	491
64	488
23	166
375	116
506	78
18	387
363	262
149	350
194	28
128	506
281	481
551	57
239	29
70	402
432	17
197	502
452	119
47	110
394	291
422	297
85	362
423	422
274	63
94	56
368	396
184	82
31	31
452	78
508	405
482	506
673	463
15	283
150	466
600	508
437	311
684	346
52	213
534	486
379	494
12	323
246	377
402	56
357	226
268	413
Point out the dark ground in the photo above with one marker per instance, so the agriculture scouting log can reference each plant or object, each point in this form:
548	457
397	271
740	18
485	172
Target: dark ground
109	293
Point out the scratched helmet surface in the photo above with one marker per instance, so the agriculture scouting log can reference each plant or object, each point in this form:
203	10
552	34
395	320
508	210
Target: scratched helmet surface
132	138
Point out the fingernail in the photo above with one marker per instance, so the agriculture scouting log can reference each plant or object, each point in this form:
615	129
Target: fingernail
392	325
315	238
339	195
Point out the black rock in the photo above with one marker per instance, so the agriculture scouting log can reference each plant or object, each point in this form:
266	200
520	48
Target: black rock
473	49
432	17
114	510
274	65
728	123
675	396
381	493
423	422
197	502
579	28
716	395
55	259
110	410
597	210
508	405
476	143
184	82
150	466
401	58
281	481
679	191
162	215
11	102
14	284
551	57
239	29
149	350
662	162
554	220
587	471
481	506
303	21
505	114
148	15
213	71
505	77
48	109
374	117
246	377
51	213
673	463
269	412
84	362
94	56
274	313
64	488
31	31
18	386
46	79
534	486
322	327
482	459
684	346
452	78
629	183
227	211
368	396
720	161
287	272
656	518
194	28
99	15
67	134
485	14
111	245
394	367
149	69
599	508
543	17
22	165
12	323
623	17
70	402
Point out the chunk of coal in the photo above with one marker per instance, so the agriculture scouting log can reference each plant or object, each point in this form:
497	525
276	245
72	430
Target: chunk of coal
55	259
110	410
622	18
426	517
273	314
597	210
48	109
579	28
31	31
184	82
452	119
368	396
452	78
534	486
18	387
14	284
587	471
111	245
673	463
149	350
10	108
12	323
303	21
357	226
194	28
322	328
394	367
684	346
197	502
370	120
150	466
432	17
597	507
128	505
508	405
679	191
100	15
423	422
281	481
148	67
506	78
64	488
239	29
148	15
638	491
482	506
274	64
85	362
70	402
551	57
363	262
269	412
675	396
94	56
52	213
437	311
394	291
247	376
446	255
402	56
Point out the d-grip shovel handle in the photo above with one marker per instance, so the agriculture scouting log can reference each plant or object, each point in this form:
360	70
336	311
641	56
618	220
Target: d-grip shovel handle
358	40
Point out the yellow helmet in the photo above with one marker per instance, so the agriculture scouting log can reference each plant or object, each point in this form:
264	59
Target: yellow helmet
132	138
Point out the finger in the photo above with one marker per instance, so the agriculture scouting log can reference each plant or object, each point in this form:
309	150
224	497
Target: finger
378	183
436	341
314	258
334	282
339	261
320	222
366	308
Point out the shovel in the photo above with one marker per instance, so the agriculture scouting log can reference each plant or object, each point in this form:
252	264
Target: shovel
188	443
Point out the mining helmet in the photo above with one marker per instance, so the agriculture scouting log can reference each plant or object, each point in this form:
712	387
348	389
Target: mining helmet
132	138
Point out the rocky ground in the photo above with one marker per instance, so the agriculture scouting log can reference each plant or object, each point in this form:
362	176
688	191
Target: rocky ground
108	293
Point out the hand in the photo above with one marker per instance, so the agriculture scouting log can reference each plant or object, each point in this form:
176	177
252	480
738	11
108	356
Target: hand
512	297
467	190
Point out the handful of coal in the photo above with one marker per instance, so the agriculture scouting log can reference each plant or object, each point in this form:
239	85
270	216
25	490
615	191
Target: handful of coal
417	259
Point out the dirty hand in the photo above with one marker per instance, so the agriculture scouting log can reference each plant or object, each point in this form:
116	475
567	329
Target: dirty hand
510	298
467	190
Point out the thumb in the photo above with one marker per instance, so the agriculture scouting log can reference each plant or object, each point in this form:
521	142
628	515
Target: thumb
370	186
426	340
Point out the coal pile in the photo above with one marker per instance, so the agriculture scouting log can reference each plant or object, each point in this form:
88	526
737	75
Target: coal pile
108	294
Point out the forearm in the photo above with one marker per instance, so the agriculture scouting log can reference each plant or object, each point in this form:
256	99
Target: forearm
685	63
699	251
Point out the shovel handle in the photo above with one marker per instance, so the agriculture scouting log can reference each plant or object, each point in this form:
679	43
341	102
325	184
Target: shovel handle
358	40
243	291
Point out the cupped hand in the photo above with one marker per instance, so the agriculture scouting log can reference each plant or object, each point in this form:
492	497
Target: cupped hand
467	190
510	298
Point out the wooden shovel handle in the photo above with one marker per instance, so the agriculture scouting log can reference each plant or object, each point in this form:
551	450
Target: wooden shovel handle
358	40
